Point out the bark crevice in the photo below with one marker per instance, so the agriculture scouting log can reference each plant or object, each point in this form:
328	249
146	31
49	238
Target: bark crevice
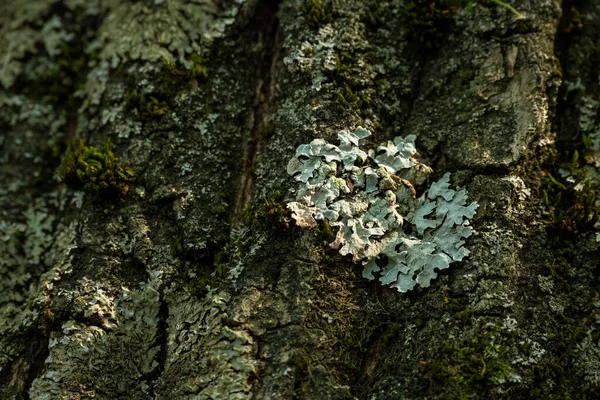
162	344
270	43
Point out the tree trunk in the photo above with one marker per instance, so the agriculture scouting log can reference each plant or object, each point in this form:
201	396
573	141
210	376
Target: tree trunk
192	280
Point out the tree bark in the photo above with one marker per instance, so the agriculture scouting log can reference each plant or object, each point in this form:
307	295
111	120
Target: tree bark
195	283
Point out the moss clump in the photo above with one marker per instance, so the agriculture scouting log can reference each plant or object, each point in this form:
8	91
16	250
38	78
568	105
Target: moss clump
345	79
266	131
558	266
350	93
562	366
95	169
198	287
314	12
197	280
147	105
270	210
323	231
570	210
176	73
469	369
373	17
345	69
176	245
348	99
570	203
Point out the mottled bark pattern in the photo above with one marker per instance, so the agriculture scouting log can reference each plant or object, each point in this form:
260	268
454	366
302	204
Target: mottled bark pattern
196	284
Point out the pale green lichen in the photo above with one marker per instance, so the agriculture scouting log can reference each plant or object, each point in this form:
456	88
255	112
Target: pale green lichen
589	123
314	59
120	322
205	358
242	246
34	252
163	32
168	26
380	222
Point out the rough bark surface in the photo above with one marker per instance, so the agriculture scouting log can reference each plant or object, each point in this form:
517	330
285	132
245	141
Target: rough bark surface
196	284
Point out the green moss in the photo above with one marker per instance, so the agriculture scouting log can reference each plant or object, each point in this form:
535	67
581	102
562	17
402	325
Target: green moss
559	266
466	315
373	16
178	73
346	81
344	63
95	169
303	379
571	206
146	105
176	245
199	287
324	232
390	334
270	210
315	14
466	76
560	366
266	131
222	258
221	209
348	99
468	369
570	201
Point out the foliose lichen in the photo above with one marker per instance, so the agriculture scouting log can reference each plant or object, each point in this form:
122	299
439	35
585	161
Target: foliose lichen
370	198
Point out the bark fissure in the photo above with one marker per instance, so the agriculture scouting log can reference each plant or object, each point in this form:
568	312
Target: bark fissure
161	343
271	45
37	354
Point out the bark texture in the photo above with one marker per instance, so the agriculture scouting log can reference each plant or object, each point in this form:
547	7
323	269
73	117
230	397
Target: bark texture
196	284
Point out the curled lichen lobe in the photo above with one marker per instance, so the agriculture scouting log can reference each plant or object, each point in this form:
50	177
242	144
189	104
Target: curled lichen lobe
369	197
95	169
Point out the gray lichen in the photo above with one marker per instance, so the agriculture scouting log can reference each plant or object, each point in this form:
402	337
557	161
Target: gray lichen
206	359
369	197
169	27
113	323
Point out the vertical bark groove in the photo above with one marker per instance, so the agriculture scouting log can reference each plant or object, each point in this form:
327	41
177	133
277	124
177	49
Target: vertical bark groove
270	42
161	342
